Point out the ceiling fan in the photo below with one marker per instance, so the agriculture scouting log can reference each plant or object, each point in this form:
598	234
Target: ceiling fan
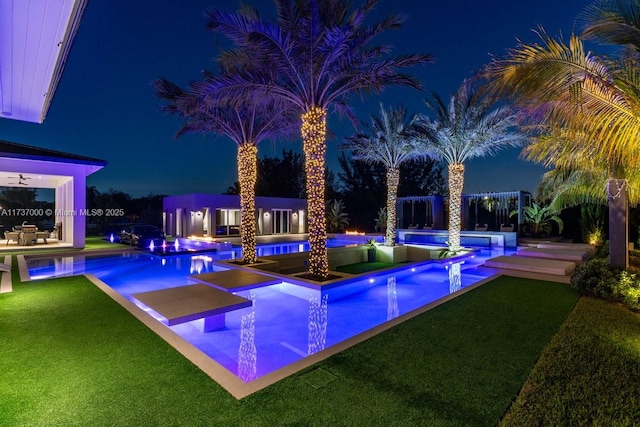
21	178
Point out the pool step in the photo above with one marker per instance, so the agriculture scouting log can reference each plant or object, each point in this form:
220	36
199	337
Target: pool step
186	303
556	253
533	265
234	280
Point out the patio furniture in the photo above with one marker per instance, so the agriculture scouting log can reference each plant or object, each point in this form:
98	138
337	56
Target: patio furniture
27	238
507	227
12	235
44	235
481	227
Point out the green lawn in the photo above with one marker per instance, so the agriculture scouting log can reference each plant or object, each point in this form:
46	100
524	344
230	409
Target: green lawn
365	267
101	242
91	243
72	356
588	375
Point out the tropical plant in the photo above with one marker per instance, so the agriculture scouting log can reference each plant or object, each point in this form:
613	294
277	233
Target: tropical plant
385	142
314	55
471	125
246	124
372	244
540	218
337	218
592	224
381	220
449	251
587	109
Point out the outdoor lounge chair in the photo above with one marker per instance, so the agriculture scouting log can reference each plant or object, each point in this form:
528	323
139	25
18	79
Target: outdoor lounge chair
481	227
506	227
12	235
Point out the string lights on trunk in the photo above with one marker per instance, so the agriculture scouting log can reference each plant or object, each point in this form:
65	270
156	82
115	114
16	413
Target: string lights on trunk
314	129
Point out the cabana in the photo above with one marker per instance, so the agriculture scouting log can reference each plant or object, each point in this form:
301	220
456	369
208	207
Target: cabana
25	166
478	209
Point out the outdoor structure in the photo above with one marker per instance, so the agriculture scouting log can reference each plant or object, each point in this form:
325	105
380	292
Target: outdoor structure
24	166
35	40
420	211
216	215
490	210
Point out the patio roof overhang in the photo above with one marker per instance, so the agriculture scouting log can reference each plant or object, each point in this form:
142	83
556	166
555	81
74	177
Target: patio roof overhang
33	167
35	39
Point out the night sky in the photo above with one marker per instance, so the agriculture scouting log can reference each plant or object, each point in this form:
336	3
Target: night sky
104	106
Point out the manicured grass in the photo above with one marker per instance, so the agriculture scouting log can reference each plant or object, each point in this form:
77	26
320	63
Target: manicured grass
588	375
91	243
98	242
364	267
70	355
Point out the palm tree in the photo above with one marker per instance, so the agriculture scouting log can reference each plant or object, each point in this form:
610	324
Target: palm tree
470	126
385	142
589	109
314	55
246	124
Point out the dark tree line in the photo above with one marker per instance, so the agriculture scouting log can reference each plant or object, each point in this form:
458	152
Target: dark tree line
360	185
123	209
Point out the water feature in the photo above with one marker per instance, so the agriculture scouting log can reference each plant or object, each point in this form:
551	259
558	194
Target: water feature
286	322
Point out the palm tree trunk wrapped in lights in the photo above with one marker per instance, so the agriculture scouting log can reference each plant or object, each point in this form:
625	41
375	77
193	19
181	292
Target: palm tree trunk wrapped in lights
385	142
314	127
456	183
313	57
472	125
247	175
246	123
393	180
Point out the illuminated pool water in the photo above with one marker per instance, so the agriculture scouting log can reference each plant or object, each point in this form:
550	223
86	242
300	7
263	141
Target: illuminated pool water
287	322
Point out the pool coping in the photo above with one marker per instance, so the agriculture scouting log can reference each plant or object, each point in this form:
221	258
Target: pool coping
225	378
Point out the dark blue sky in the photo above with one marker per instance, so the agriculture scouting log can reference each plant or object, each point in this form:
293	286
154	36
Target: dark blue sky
105	107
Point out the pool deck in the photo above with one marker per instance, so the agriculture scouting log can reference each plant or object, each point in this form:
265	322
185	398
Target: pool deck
186	303
234	280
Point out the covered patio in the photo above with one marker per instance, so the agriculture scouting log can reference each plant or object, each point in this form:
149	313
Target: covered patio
24	166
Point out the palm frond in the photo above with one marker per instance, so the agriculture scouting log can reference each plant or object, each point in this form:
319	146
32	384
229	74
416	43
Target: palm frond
566	88
469	126
384	140
612	21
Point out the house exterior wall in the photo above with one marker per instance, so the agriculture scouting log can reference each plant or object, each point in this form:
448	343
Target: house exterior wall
193	220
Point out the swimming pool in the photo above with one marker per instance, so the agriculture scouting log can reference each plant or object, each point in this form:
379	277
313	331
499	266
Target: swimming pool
287	322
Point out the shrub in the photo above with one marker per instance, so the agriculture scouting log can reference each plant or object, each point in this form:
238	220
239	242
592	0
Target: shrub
602	251
628	290
596	277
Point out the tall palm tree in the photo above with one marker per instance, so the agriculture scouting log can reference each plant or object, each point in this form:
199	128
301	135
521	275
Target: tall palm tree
470	126
591	105
385	141
246	123
313	55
